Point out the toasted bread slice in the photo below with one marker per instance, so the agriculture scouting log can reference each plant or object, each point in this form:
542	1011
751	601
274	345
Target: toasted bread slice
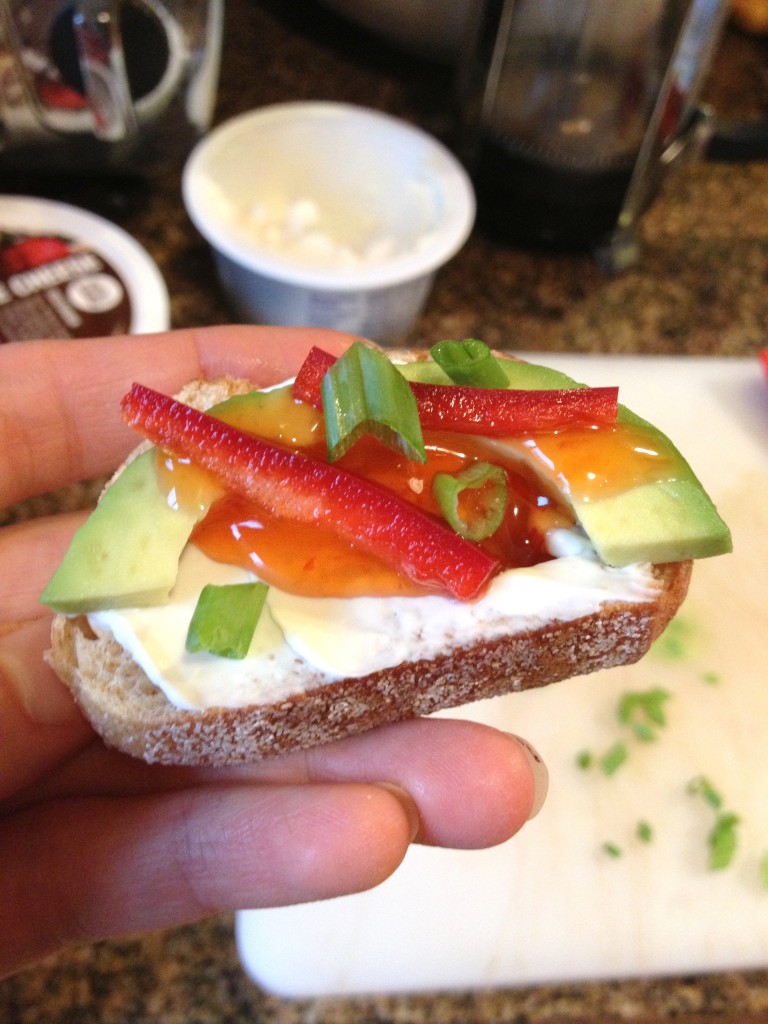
130	713
133	715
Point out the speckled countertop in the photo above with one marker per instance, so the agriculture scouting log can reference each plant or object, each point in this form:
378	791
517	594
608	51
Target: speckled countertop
701	287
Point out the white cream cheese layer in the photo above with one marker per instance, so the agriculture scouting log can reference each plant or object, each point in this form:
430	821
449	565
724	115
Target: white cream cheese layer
342	637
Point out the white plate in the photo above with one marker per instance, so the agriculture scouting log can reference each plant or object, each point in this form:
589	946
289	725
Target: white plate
551	905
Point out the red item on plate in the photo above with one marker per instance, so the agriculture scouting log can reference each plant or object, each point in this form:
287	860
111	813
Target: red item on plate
297	486
492	412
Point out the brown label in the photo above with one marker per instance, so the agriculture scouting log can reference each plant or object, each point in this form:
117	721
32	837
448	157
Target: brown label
53	287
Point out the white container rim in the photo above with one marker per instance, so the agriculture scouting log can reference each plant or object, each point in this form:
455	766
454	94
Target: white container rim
445	240
147	292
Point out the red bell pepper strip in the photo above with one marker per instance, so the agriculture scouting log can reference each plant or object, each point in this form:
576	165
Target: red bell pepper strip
492	412
764	360
296	486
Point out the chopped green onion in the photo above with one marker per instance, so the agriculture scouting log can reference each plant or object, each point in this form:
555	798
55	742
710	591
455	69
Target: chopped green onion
613	759
643	712
584	760
711	678
764	870
722	838
674	642
225	619
644	832
484	513
612	849
701	786
469	362
723	841
364	393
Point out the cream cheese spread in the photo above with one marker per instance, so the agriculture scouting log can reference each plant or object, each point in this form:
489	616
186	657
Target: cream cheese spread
333	638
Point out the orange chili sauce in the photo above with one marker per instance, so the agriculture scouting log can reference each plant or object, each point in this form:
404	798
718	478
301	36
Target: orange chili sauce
311	560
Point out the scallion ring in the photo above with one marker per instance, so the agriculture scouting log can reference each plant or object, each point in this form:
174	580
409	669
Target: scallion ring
225	619
363	393
485	486
469	362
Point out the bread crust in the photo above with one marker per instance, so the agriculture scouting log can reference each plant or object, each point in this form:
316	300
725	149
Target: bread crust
134	716
130	713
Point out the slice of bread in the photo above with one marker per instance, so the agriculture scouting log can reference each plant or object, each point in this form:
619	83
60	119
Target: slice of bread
133	715
130	713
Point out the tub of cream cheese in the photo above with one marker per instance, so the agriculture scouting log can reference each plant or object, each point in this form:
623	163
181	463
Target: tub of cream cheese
68	273
326	214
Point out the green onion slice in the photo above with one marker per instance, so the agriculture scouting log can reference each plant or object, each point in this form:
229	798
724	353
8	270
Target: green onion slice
644	832
225	619
364	393
469	362
486	486
644	712
763	869
723	840
614	758
701	786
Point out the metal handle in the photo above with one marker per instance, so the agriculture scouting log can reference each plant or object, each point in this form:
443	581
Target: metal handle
96	26
698	35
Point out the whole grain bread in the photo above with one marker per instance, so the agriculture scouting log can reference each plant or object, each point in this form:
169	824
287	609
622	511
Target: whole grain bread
130	713
134	716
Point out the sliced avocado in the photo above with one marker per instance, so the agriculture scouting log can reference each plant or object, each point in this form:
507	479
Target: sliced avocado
667	519
262	412
526	376
660	522
126	554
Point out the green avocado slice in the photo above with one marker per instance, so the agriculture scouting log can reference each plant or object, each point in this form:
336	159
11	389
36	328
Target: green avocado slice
127	552
667	519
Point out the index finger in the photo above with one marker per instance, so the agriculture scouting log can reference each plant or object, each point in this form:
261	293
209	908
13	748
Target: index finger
59	400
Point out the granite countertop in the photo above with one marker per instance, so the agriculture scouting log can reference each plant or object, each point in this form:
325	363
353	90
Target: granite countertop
700	288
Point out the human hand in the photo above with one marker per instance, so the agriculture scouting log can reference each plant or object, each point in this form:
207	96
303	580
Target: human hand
94	844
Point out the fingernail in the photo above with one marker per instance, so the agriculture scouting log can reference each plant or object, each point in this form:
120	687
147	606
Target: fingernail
408	804
540	776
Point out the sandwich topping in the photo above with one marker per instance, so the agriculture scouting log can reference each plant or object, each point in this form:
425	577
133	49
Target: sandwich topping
340	638
390	511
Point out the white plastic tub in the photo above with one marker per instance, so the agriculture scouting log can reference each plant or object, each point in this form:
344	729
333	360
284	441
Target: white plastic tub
328	215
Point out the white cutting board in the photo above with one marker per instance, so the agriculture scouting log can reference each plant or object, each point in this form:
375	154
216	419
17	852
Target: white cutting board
551	905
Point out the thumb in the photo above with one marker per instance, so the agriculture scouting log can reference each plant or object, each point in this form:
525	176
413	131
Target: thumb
40	723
